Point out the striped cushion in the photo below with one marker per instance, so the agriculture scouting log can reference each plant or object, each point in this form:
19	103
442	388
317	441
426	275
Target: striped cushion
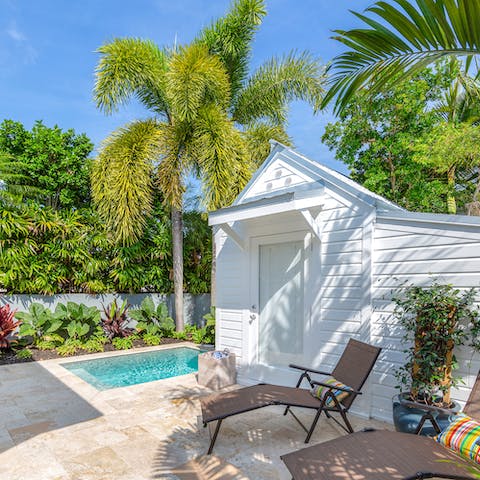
319	391
462	436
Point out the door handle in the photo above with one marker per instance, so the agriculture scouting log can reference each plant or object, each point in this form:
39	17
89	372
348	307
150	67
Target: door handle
252	317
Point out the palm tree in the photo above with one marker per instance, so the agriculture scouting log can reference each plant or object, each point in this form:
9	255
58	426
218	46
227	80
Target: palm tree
403	39
188	91
205	108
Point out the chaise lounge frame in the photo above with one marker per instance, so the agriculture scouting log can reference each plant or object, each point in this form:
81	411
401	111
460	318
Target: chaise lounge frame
352	369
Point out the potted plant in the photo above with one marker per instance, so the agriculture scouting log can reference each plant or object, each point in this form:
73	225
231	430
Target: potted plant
436	319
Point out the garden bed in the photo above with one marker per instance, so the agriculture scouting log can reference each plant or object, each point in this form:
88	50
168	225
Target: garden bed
9	357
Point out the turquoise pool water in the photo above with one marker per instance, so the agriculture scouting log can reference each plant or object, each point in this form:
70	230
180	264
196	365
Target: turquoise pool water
124	370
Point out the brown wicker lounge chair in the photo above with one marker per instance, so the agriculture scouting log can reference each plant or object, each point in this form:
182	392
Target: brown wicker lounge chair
381	454
352	369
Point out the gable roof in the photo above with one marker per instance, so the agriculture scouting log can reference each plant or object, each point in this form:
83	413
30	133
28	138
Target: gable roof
288	180
324	174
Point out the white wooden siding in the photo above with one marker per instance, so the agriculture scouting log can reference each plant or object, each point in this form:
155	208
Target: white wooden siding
339	282
230	295
416	252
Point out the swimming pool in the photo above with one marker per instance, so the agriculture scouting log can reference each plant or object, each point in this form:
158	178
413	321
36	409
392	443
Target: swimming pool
130	369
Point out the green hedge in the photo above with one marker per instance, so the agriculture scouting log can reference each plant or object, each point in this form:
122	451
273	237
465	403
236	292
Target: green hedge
43	251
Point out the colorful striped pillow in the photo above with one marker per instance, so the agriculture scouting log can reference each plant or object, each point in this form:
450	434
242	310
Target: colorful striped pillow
462	436
319	391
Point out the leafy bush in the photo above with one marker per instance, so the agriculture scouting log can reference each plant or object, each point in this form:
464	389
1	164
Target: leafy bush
7	324
436	319
24	354
78	319
151	320
50	329
96	342
152	339
115	321
70	347
40	323
123	343
207	333
50	251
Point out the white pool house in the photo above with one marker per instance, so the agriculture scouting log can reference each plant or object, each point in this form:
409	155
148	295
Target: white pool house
307	258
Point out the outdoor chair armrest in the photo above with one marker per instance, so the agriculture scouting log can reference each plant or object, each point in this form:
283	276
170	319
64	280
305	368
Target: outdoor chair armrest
306	369
424	406
335	387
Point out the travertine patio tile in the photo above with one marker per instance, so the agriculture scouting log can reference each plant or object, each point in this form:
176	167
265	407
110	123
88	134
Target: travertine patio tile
100	464
21	434
133	433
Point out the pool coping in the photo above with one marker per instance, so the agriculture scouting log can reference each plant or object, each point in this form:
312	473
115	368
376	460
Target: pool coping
88	391
115	353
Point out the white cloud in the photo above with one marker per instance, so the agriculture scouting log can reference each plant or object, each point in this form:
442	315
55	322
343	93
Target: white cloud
15	34
21	43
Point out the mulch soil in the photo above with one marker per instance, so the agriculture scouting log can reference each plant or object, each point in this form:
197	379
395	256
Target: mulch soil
9	357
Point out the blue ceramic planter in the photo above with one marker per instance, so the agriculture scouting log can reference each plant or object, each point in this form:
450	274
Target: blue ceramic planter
406	419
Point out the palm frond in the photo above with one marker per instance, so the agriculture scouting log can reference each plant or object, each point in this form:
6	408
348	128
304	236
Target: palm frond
257	138
278	82
14	181
460	102
195	77
231	37
122	185
174	163
130	67
405	38
218	149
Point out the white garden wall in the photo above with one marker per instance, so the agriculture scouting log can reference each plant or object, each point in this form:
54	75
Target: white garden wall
195	306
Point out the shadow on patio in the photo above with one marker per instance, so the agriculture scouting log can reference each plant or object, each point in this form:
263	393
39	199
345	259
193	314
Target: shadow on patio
34	401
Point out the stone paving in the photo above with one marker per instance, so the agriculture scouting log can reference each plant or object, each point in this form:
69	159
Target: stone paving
55	426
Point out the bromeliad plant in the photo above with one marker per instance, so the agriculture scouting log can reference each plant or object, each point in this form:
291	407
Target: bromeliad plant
115	322
8	324
436	319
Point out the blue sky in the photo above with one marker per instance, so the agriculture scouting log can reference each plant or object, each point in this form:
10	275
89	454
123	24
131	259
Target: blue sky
47	54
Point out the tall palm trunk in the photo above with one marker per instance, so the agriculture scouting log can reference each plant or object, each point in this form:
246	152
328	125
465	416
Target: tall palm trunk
177	240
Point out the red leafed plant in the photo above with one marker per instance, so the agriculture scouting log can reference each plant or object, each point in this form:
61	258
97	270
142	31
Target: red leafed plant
7	324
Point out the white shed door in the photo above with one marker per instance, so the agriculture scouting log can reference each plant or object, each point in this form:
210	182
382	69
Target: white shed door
281	292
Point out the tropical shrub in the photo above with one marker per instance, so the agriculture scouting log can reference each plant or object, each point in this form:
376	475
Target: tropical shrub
49	330
205	334
152	339
24	354
115	321
41	324
50	251
436	319
123	343
70	347
96	342
79	321
151	320
8	324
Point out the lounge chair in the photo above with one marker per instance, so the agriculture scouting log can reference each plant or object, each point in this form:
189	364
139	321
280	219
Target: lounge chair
352	370
381	454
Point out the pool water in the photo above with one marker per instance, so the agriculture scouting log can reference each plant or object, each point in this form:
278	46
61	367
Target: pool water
130	369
